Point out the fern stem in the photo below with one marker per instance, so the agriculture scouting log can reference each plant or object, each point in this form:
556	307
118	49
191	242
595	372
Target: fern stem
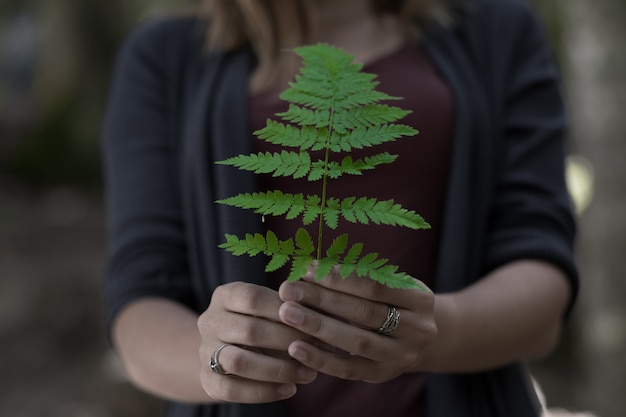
325	181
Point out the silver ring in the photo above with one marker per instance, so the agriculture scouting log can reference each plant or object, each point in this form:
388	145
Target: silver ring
391	322
215	362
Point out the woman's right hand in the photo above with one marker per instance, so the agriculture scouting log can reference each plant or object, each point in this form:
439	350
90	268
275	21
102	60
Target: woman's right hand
244	317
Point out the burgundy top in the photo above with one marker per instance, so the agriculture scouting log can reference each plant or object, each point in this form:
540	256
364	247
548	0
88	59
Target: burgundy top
417	180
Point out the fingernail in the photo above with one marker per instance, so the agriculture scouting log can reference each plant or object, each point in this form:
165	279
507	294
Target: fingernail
297	353
293	292
287	390
291	314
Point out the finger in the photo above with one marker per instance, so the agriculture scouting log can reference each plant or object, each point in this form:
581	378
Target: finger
239	329
249	299
336	332
349	367
359	311
261	367
238	390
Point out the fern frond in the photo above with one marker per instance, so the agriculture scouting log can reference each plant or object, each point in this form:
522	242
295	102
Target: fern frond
367	116
254	244
337	247
287	135
333	107
331	213
329	79
302	260
306	117
373	267
299	267
364	210
366	137
277	203
304	242
286	164
348	166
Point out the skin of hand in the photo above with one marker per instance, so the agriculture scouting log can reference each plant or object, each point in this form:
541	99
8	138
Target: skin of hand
514	313
345	313
245	316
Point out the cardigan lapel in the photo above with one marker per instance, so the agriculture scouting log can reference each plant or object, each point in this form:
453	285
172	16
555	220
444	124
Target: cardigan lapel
214	131
216	105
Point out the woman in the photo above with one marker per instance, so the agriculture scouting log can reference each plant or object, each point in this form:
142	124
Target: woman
486	172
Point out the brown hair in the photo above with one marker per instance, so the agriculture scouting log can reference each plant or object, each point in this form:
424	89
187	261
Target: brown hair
271	26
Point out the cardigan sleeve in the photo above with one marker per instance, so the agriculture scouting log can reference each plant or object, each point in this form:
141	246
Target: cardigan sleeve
146	245
532	214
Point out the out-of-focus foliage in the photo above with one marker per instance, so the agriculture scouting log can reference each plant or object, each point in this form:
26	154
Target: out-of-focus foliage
55	62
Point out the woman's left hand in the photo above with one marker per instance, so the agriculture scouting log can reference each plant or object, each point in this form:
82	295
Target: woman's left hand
346	314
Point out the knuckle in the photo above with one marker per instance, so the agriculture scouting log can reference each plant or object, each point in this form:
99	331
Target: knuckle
234	364
360	345
249	333
248	297
219	292
367	313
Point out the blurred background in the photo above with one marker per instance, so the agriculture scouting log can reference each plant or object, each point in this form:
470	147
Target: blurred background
55	63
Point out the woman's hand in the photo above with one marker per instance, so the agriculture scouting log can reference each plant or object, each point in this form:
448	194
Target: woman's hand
256	369
346	314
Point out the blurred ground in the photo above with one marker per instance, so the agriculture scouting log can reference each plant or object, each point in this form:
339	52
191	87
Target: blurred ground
54	358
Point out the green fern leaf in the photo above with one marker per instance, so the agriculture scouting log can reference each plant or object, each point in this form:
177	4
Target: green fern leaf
348	166
286	135
323	268
367	116
337	247
364	210
332	212
277	261
254	244
296	165
311	214
387	276
304	242
277	203
272	244
366	137
299	267
306	117
333	107
353	254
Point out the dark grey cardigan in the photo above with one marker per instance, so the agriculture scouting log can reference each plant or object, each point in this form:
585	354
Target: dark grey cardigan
173	110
